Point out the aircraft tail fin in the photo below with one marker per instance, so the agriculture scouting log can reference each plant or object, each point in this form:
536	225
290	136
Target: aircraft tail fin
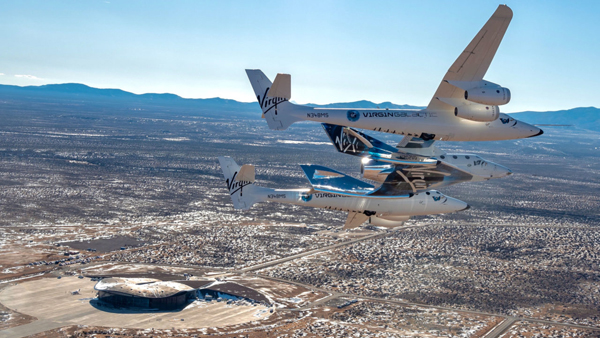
240	183
351	141
273	98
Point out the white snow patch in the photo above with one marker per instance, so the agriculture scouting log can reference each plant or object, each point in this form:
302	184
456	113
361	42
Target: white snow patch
176	139
303	142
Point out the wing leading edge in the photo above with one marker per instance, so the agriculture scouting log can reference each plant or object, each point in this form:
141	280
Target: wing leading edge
473	62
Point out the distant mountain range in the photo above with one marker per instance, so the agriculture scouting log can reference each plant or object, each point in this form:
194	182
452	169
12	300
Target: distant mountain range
583	117
85	94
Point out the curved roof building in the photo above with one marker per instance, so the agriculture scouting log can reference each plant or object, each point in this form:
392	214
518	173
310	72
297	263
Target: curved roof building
147	293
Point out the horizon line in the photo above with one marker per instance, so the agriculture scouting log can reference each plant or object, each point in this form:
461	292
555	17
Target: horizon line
222	98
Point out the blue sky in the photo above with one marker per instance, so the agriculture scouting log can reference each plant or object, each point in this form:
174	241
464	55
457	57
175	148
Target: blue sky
336	51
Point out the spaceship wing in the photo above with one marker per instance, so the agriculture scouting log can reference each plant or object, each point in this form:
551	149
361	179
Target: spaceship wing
324	179
330	181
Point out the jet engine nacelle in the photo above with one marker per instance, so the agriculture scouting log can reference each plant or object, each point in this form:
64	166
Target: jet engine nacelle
388	221
488	96
478	112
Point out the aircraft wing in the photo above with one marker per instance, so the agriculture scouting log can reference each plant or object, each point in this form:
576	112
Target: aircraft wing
330	181
473	62
324	179
354	220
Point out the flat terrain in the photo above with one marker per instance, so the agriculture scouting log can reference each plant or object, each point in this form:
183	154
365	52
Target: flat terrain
542	272
55	306
140	184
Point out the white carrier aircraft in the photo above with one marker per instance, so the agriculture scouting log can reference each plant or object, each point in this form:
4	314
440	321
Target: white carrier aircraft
413	166
356	197
464	107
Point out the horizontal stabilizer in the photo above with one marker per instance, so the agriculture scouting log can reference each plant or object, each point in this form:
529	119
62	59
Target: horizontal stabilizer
247	173
282	87
354	220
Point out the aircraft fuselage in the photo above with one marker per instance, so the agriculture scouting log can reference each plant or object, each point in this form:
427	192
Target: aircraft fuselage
425	124
432	202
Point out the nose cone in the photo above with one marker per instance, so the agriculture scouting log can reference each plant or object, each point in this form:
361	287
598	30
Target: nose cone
540	132
453	205
528	130
500	171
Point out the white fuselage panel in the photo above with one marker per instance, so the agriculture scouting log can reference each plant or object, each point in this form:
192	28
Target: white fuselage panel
445	126
432	202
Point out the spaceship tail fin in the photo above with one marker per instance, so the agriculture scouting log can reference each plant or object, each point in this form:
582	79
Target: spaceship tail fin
273	98
240	183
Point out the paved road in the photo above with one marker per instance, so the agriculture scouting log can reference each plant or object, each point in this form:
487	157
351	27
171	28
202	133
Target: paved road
41	326
334	295
30	329
499	329
266	264
318	302
312	252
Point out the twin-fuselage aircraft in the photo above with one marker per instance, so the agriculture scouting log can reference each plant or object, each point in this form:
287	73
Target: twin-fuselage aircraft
465	107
